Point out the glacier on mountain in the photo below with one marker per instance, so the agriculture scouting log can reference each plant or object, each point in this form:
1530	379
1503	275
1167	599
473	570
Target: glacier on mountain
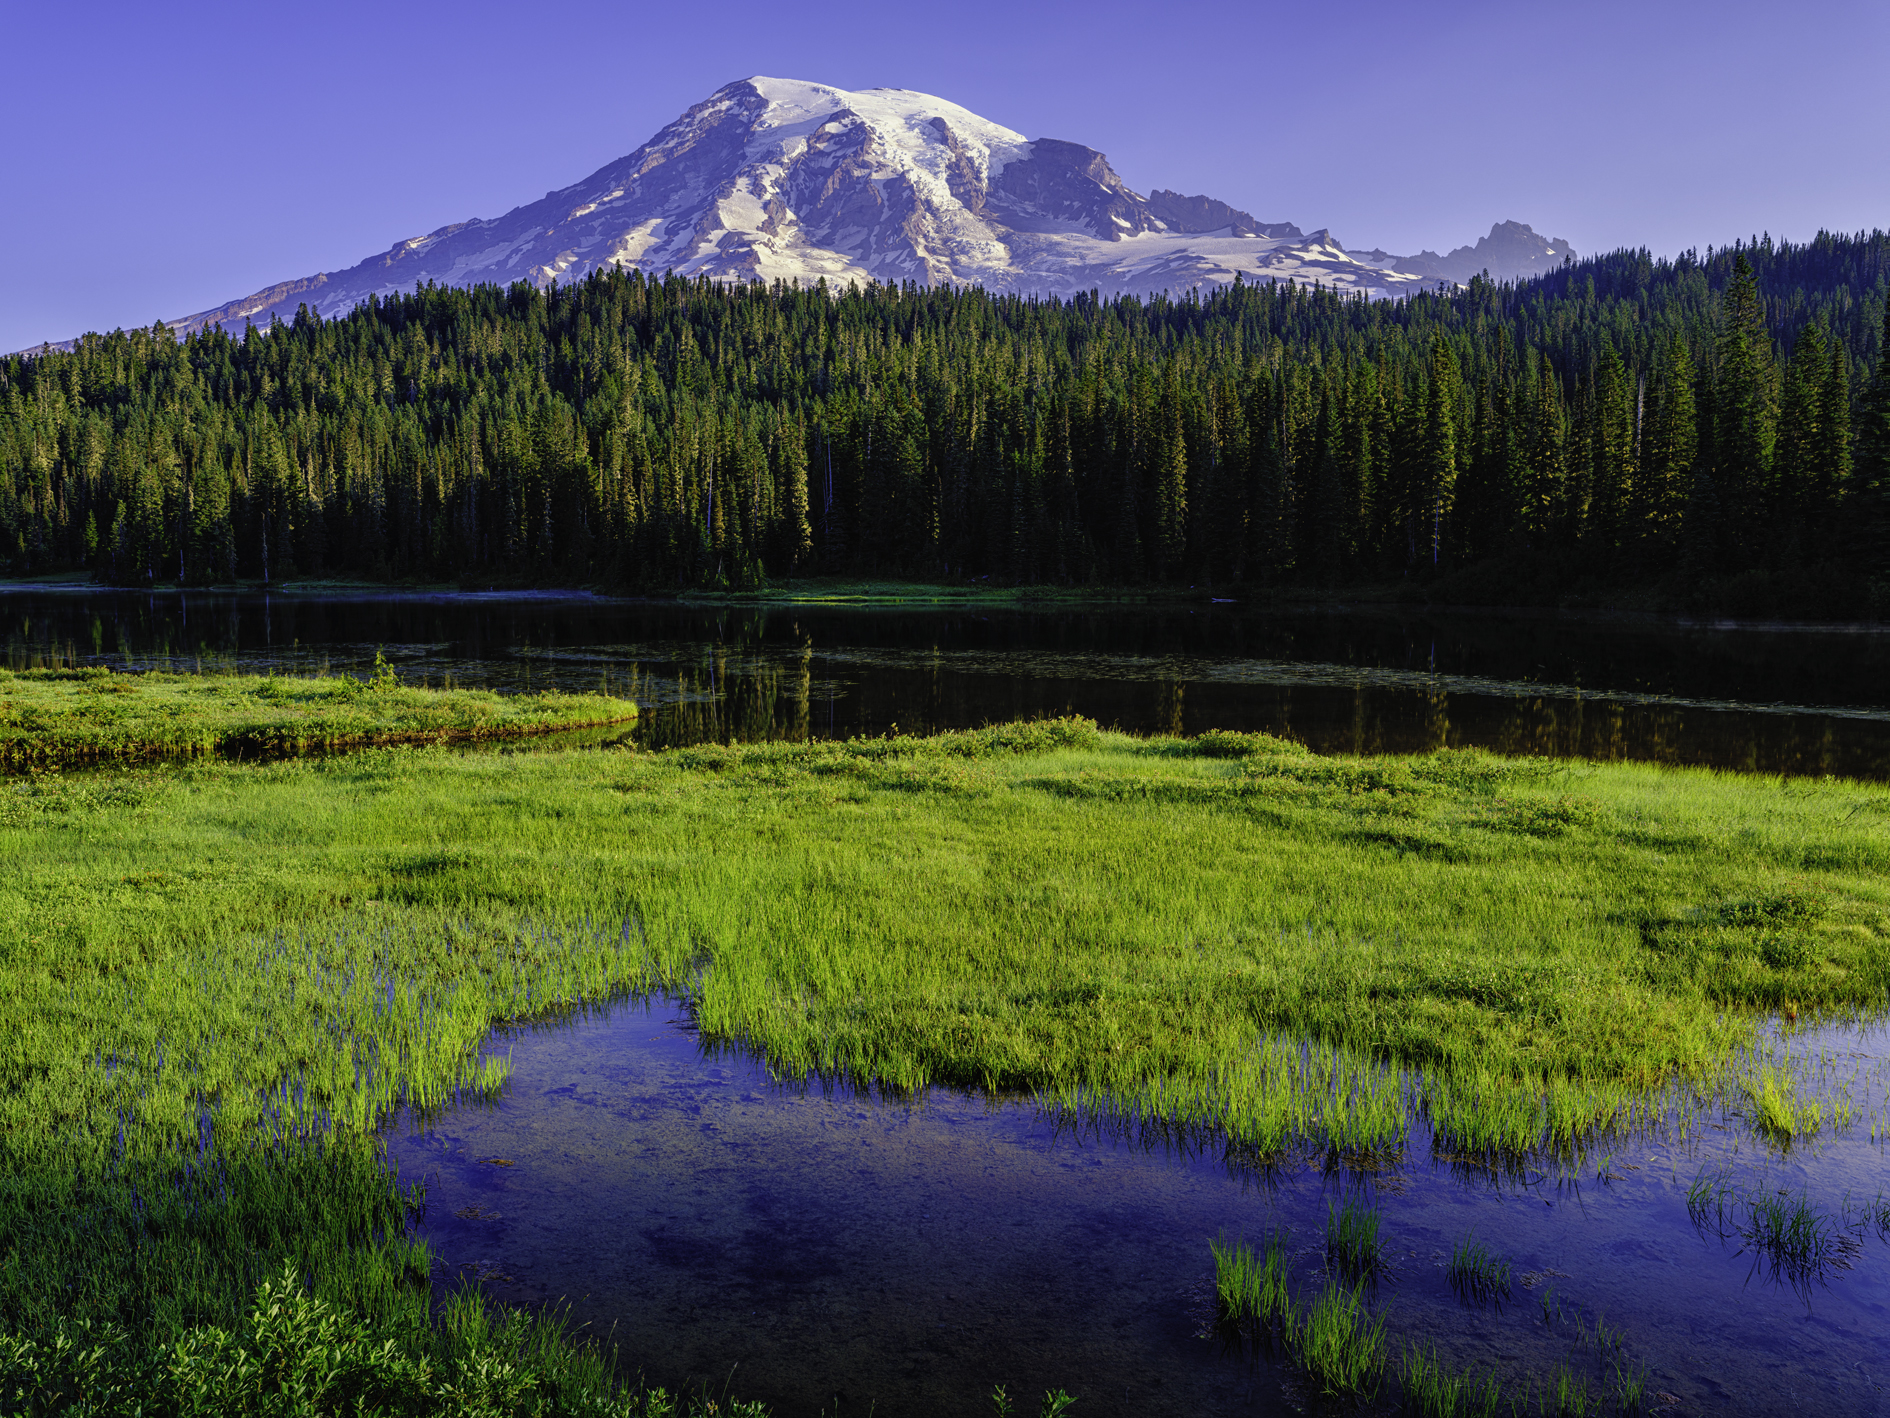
780	179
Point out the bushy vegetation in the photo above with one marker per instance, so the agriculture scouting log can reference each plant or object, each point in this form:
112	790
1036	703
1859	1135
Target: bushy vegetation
293	1355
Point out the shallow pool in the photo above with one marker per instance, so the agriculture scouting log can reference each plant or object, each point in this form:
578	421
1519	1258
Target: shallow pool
829	1252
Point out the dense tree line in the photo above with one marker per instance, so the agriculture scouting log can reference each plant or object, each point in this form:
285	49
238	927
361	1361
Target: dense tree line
1622	419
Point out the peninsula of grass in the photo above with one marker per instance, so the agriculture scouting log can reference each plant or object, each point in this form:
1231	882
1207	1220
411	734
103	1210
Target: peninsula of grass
60	718
218	979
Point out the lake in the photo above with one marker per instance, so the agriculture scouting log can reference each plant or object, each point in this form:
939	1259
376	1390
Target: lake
1792	700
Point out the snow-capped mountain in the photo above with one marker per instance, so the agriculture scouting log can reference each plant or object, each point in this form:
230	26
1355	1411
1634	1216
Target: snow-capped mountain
782	179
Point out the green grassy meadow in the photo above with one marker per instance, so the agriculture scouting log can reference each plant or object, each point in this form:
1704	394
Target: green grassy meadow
219	978
59	718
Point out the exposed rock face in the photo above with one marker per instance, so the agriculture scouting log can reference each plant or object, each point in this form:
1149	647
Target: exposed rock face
1205	214
1511	252
779	179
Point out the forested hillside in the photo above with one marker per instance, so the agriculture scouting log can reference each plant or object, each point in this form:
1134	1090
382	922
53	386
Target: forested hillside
1623	421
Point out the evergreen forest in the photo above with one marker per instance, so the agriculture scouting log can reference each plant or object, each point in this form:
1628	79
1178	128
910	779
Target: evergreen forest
1701	424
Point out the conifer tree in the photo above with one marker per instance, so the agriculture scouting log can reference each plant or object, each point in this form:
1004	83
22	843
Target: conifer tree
1611	454
1669	446
1803	441
1744	411
1438	452
1871	478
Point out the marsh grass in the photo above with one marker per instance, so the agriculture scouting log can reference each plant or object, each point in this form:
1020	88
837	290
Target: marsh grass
1430	1390
1334	1338
1251	1286
1630	1388
1353	1245
56	718
1341	1345
1477	1274
1569	1396
220	978
1776	1108
1792	1239
1055	1403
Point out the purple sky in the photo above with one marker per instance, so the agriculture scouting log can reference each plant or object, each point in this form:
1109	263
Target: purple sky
159	159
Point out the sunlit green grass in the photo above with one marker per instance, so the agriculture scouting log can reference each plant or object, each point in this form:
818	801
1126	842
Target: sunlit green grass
216	978
54	718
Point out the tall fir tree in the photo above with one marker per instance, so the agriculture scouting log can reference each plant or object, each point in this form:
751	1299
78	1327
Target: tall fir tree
1745	414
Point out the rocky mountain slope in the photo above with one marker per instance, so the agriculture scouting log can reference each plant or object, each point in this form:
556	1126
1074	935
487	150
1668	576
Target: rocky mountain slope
1512	251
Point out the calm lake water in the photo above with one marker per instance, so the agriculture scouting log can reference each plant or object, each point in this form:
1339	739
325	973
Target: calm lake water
833	1253
1785	700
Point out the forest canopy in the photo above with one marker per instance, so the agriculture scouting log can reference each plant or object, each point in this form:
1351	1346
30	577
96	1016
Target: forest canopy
1619	421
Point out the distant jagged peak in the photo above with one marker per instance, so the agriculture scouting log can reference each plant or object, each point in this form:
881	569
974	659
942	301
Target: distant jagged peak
1513	251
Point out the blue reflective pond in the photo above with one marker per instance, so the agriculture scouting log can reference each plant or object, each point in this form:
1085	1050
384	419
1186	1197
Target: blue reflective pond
831	1252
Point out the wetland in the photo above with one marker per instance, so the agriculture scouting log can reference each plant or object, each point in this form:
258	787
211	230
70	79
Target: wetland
824	1037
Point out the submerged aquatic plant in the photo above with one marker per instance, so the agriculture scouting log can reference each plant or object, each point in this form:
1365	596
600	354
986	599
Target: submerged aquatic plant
1352	1241
1797	1241
1792	1239
1476	1273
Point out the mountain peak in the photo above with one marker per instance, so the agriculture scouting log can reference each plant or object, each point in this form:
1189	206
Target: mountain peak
787	179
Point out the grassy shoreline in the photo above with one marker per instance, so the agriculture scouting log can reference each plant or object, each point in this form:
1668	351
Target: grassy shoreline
64	718
220	978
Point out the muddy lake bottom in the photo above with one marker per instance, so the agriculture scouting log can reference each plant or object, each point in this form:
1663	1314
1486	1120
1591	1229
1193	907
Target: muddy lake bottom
829	1251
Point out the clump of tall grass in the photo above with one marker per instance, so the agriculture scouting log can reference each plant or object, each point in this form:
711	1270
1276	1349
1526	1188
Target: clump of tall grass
1799	1242
1341	1345
1250	1286
1335	1339
1353	1245
1476	1273
1430	1390
1776	1109
1630	1388
1569	1396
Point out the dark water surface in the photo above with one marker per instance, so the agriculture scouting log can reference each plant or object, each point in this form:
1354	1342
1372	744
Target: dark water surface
828	1252
1787	700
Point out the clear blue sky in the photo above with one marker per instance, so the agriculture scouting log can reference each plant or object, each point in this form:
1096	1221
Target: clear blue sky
162	158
